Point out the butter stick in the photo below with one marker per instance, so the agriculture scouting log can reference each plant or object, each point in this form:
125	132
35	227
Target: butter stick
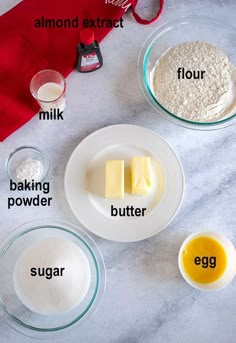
114	179
140	175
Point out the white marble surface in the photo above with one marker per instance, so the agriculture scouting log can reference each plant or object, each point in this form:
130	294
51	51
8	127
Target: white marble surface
146	299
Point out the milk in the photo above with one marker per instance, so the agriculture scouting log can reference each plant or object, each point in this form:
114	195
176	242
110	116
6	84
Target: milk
50	96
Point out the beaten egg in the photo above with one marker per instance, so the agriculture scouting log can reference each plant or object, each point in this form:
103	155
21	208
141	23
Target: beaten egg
207	260
204	259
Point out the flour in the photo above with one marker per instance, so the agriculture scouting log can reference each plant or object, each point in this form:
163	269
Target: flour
29	170
57	294
209	99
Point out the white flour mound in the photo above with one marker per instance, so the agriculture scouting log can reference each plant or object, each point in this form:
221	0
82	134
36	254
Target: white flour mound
60	293
210	99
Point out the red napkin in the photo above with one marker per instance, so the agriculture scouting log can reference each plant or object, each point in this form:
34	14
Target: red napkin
25	50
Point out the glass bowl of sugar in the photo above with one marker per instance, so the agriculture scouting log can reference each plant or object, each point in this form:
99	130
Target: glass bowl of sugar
27	163
52	278
187	72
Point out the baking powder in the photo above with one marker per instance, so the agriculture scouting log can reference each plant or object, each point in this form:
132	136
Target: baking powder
29	170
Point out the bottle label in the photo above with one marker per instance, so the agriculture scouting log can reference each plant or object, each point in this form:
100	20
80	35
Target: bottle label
89	62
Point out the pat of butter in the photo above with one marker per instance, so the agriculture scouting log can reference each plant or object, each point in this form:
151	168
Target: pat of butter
140	175
114	179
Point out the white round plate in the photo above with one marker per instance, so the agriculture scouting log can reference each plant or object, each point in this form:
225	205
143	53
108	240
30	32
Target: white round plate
85	183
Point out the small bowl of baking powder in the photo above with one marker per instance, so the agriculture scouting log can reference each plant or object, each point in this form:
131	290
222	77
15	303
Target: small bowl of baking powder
27	163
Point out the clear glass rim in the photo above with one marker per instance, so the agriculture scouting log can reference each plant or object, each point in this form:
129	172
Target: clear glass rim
143	79
40	73
96	257
26	147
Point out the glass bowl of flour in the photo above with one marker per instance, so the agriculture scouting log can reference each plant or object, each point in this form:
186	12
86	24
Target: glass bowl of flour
187	72
52	278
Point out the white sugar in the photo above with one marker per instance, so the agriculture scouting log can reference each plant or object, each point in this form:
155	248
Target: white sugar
50	294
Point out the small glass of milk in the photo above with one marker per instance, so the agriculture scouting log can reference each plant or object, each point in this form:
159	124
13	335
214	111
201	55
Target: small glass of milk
48	87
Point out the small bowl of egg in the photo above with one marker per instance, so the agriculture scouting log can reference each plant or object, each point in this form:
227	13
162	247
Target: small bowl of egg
207	261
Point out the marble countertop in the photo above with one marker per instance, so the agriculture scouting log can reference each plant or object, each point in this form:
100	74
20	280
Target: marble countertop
146	299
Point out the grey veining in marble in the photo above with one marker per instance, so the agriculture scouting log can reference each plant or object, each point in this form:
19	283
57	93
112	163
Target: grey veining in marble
146	299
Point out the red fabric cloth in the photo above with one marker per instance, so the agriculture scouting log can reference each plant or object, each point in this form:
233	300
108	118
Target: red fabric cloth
25	50
146	21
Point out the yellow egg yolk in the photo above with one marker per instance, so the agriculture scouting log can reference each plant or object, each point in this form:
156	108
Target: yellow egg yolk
204	259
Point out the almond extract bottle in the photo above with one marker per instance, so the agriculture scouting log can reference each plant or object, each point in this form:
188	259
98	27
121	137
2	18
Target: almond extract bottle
89	54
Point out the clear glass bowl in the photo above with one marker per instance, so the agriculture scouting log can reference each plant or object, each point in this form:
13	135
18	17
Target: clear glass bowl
18	315
179	31
20	155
